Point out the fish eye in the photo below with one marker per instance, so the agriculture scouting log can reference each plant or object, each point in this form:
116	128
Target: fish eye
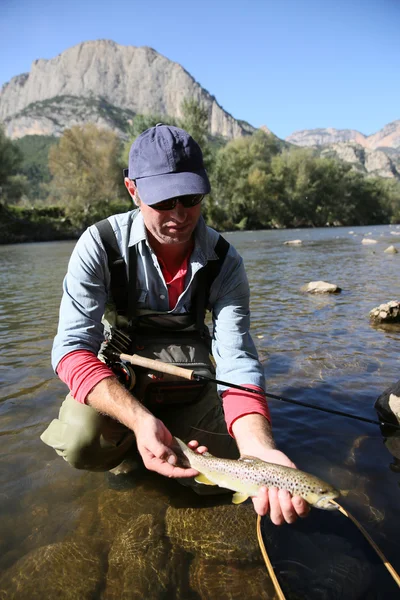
323	491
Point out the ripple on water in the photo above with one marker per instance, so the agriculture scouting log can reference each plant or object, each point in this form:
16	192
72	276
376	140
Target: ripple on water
317	349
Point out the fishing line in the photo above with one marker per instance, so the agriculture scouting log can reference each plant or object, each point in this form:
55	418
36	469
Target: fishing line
297	402
169	368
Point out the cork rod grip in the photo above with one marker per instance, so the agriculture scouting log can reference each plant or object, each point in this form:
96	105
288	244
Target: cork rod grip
157	365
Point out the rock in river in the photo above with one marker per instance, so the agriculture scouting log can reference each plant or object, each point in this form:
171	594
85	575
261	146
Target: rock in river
391	250
321	287
388	313
53	571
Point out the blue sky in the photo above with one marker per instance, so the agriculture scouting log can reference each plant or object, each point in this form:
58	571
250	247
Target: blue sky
287	64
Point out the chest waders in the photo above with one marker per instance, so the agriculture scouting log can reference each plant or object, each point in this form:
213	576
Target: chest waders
180	339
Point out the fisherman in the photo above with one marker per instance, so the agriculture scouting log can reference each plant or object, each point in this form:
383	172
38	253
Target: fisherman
175	260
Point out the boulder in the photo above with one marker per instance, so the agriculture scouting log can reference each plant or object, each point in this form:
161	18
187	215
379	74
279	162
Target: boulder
387	313
368	241
391	250
293	243
321	287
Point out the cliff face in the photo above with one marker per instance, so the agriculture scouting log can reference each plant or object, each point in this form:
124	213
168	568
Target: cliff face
129	79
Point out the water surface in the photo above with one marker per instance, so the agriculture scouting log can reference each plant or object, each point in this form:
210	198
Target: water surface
65	533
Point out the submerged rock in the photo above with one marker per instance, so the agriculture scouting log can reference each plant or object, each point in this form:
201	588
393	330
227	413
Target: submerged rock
54	571
321	287
137	562
389	312
226	533
391	249
226	581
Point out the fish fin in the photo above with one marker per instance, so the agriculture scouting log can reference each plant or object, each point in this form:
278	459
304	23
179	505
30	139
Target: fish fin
344	492
239	497
248	459
203	479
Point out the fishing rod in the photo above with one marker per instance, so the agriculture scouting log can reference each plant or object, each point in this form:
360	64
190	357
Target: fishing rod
167	368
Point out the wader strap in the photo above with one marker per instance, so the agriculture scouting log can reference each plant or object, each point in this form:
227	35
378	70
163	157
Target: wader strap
205	278
122	293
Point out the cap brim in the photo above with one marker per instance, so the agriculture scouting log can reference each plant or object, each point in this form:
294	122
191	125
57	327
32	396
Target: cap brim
162	187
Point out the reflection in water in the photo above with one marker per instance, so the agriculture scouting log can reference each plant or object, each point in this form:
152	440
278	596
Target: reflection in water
65	534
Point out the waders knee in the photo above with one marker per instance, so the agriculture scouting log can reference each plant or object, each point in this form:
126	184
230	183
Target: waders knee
86	439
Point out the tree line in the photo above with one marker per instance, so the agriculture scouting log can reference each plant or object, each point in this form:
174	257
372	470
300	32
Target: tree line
258	182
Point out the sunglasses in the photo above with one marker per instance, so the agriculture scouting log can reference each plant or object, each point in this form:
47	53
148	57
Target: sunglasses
187	201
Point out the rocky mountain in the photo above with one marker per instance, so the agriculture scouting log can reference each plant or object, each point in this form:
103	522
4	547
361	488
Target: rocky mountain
372	162
105	83
377	154
387	137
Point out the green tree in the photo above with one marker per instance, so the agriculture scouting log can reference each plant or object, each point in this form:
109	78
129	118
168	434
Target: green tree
87	173
35	164
242	180
11	189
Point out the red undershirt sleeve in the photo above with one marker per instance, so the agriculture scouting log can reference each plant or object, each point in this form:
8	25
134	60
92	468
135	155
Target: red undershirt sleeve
81	370
238	403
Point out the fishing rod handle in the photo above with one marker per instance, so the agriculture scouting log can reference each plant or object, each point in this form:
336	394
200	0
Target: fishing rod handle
157	365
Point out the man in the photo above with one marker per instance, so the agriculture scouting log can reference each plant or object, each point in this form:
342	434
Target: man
167	249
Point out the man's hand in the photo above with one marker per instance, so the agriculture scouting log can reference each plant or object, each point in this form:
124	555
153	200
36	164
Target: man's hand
281	505
154	443
254	438
153	439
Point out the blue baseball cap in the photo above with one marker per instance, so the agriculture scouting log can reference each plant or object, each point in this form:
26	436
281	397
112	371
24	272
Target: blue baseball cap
166	162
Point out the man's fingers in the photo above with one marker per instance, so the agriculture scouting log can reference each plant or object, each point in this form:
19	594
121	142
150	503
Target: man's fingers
164	468
275	512
301	507
286	505
194	445
261	502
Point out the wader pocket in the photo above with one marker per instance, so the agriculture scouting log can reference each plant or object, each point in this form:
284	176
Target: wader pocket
173	392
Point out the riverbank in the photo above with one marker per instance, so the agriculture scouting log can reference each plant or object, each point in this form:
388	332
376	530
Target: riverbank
20	225
51	224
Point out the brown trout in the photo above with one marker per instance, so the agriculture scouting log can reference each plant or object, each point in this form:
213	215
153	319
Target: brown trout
247	475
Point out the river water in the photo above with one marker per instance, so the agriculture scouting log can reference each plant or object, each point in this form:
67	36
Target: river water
66	534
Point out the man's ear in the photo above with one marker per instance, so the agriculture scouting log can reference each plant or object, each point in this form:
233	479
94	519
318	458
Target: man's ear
130	186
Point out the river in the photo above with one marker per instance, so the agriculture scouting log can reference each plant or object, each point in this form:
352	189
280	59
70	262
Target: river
62	531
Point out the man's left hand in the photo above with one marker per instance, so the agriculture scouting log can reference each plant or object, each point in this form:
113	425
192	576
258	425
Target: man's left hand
280	504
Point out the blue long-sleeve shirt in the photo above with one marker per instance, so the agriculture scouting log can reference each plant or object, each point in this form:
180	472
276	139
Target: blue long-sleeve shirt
87	282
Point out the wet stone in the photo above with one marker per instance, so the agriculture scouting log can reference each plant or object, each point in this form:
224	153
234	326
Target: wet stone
137	562
227	533
54	571
388	312
230	581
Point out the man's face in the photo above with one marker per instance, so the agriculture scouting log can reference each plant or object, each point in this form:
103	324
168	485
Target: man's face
174	226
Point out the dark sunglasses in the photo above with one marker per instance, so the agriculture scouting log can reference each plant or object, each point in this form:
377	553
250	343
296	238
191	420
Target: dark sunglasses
186	201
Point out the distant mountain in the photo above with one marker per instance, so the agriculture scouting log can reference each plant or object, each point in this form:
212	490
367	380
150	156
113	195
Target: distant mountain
387	137
377	154
105	83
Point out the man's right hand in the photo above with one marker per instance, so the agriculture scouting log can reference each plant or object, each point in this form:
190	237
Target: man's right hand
153	439
154	443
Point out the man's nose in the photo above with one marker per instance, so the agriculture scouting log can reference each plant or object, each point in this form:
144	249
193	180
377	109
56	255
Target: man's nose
179	212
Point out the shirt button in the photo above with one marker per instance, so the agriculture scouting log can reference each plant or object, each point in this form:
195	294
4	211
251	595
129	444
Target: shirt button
162	297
